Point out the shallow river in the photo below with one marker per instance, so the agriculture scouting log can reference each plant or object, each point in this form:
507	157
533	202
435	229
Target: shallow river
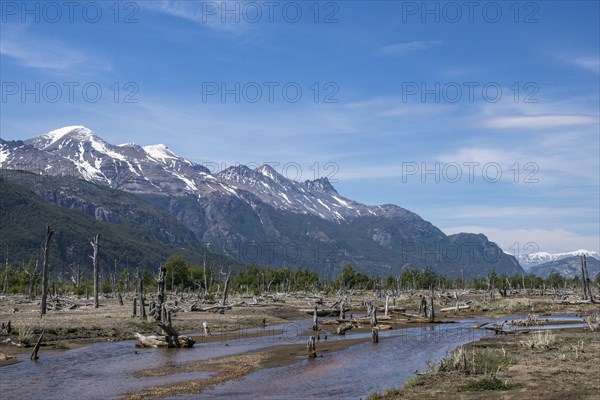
105	370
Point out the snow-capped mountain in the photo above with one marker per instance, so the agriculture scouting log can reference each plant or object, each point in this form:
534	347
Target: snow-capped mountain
78	151
253	215
568	266
530	260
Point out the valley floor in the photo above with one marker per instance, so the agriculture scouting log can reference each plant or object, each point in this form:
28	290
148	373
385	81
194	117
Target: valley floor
567	368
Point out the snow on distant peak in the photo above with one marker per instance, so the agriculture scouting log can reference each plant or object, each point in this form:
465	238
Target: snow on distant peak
541	257
160	152
267	171
57	134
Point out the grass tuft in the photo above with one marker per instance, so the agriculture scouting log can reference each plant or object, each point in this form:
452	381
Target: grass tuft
487	383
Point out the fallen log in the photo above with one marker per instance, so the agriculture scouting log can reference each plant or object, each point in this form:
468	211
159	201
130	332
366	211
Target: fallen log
464	307
341	330
163	341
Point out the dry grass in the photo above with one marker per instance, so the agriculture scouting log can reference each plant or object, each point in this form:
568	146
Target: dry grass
541	340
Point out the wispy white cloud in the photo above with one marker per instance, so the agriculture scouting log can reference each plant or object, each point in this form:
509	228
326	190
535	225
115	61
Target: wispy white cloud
407	47
474	211
539	121
48	54
206	13
589	63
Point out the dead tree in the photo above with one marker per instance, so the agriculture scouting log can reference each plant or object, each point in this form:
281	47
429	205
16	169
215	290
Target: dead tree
36	348
206	329
205	276
227	276
587	287
374	335
583	276
431	311
422	306
387	301
134	310
160	280
76	274
342	311
373	316
31	272
315	326
311	347
96	245
49	233
141	295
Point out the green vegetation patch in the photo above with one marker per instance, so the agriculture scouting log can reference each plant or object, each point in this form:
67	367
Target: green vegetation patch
487	383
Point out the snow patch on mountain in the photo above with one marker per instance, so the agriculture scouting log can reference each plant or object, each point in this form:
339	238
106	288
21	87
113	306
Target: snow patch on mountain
4	153
160	152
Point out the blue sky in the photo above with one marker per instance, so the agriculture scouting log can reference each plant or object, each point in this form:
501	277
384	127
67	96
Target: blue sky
505	93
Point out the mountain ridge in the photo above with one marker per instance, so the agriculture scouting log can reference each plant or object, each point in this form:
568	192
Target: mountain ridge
248	211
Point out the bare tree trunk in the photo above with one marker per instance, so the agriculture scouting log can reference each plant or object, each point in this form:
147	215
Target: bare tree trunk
315	326
49	233
31	280
311	346
162	270
206	329
224	300
5	284
587	286
141	294
36	348
422	306
134	311
205	277
374	335
583	276
431	312
387	301
373	316
96	245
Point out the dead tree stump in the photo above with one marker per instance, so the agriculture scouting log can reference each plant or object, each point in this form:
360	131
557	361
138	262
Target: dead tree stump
373	316
311	346
36	348
134	310
374	335
422	306
387	302
315	326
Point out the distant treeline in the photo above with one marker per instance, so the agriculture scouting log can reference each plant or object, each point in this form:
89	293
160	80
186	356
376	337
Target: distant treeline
184	276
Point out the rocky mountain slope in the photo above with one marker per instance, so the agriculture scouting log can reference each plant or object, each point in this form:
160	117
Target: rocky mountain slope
253	215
